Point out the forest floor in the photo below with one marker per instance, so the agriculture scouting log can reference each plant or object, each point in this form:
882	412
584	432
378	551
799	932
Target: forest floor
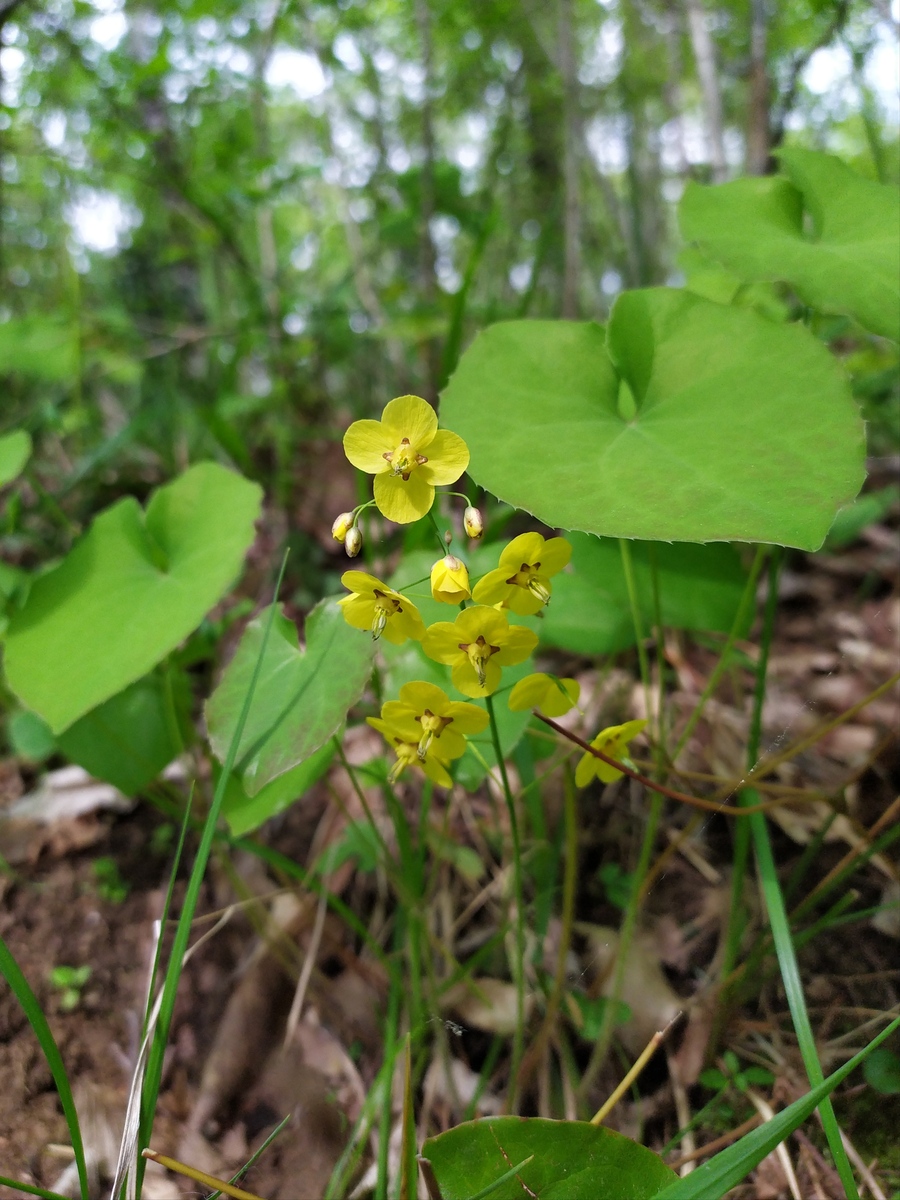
84	888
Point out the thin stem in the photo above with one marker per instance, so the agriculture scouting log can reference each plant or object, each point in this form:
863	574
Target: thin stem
518	890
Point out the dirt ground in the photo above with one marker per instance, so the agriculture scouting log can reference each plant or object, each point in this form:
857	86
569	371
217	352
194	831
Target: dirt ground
229	1078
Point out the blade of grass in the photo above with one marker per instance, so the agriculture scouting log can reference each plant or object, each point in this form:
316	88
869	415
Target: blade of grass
153	1076
30	1190
775	905
21	988
727	1169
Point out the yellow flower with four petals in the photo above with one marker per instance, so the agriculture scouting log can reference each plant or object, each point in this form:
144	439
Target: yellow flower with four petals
522	580
375	606
425	712
476	645
408	455
612	741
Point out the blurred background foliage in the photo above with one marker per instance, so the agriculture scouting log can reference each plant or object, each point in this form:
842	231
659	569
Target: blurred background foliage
227	229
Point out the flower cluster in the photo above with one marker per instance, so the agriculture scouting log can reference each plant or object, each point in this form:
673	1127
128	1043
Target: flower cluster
409	456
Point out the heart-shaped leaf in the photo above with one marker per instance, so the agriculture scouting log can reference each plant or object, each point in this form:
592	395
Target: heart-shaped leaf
301	697
700	587
569	1160
15	451
245	813
850	264
132	588
728	428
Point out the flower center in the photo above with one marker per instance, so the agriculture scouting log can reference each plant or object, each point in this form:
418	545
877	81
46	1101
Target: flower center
432	727
478	653
527	577
407	753
385	608
404	459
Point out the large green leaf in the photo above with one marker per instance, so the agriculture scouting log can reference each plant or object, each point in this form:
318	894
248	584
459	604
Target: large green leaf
700	588
849	263
132	588
571	1160
301	697
726	427
129	738
15	451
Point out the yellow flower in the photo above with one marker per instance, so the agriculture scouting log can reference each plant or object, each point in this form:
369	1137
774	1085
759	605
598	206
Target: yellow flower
551	695
426	713
612	741
408	455
434	762
373	605
522	581
450	580
476	645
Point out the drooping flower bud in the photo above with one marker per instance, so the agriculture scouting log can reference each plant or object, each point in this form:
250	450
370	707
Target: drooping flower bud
341	526
450	580
473	522
353	541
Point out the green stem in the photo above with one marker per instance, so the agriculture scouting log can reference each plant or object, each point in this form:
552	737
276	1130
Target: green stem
519	957
774	900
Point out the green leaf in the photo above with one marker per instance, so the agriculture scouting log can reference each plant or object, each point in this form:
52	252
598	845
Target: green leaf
712	1180
132	588
850	263
15	451
29	736
301	699
41	347
700	588
246	813
744	430
882	1072
865	510
572	1160
129	738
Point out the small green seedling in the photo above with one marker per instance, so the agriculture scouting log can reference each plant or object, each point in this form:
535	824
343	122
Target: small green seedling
69	981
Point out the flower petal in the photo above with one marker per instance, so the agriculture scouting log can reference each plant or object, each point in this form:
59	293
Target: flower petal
361	582
465	679
448	457
526	548
365	444
437	772
452	744
516	646
523	602
359	611
403	500
481	620
420	695
529	692
467	718
409	417
555	555
561	698
493	588
441	642
398	717
585	771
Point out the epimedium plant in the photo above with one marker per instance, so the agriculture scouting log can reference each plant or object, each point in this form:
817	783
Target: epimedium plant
694	417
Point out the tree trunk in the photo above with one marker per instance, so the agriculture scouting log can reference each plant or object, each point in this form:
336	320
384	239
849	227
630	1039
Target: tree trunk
757	160
705	56
571	140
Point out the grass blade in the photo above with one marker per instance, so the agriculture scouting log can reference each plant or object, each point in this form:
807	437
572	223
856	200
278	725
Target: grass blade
9	968
726	1170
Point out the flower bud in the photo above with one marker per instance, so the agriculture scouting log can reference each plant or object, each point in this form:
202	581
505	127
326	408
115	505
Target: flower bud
341	526
353	541
473	522
450	580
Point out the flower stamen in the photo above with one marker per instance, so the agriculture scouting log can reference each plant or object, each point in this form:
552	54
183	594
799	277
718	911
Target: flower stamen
478	653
